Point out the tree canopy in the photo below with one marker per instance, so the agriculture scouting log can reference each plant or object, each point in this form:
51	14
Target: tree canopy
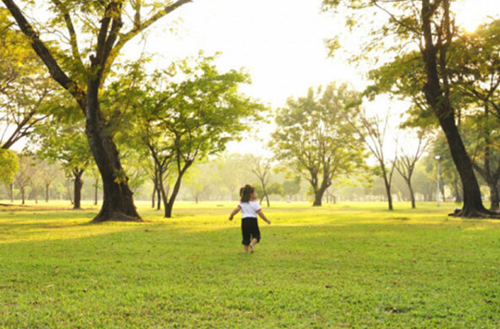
193	116
424	34
313	137
9	164
93	36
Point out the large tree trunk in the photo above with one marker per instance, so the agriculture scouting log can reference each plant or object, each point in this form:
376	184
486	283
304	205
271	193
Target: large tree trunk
473	205
319	192
118	203
439	101
318	197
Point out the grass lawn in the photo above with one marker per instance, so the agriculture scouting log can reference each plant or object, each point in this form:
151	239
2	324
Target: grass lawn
351	265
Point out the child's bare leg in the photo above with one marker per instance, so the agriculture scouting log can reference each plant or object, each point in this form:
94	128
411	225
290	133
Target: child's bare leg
246	248
252	244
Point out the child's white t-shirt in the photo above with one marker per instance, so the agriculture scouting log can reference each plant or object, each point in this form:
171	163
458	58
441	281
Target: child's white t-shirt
249	209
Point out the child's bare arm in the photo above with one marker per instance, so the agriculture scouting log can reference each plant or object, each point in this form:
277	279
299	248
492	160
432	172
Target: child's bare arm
261	215
235	211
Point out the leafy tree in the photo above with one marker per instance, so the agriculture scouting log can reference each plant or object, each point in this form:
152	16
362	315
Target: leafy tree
49	172
234	174
372	131
228	172
194	184
481	141
24	85
261	168
313	137
22	178
475	74
275	188
430	25
406	163
106	27
474	81
477	79
192	119
66	144
9	164
291	187
135	170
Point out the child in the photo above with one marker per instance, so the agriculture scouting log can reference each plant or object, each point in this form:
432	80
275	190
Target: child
250	208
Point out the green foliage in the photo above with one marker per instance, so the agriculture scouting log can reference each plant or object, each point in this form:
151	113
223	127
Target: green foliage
65	143
275	188
197	116
313	137
191	111
351	265
403	77
473	67
24	85
9	164
291	186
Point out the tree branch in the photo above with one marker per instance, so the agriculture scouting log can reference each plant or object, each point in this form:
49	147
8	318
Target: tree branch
72	33
43	52
141	26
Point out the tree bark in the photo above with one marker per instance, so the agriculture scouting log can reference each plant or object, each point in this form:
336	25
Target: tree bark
319	192
169	206
458	196
486	171
160	190
153	195
412	194
318	197
388	192
118	203
438	99
78	184
96	190
494	198
47	192
387	182
473	205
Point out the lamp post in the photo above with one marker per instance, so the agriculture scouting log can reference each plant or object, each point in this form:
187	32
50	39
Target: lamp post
438	158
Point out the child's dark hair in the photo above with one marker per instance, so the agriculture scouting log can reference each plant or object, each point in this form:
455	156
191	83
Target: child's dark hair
245	192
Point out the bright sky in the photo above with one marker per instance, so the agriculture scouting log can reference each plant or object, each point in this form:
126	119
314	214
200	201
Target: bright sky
279	42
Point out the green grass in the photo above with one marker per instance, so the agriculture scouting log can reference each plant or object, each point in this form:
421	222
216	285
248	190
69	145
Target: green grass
351	265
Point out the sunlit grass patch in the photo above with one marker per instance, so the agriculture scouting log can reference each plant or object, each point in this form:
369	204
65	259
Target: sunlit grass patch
339	266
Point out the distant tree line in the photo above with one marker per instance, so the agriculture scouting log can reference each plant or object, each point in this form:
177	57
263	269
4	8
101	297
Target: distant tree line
82	110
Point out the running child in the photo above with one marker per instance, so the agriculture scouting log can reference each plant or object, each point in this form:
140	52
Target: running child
250	208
